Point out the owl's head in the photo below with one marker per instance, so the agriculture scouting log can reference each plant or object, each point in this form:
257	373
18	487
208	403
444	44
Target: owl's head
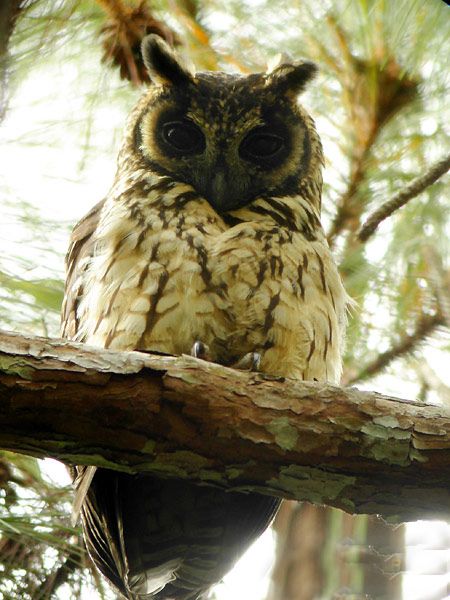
233	138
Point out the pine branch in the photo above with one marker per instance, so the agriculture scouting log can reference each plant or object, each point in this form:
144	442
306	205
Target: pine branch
376	90
440	280
350	206
412	190
123	32
431	380
9	11
189	419
425	327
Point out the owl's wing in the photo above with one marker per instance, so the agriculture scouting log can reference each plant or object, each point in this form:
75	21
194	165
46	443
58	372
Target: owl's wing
78	256
77	260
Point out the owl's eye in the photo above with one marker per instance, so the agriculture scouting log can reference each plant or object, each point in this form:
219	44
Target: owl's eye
261	145
184	137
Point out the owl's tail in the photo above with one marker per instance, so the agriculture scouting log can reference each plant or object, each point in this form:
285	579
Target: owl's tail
168	539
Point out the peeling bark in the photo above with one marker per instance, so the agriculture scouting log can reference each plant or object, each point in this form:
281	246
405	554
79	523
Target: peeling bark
182	417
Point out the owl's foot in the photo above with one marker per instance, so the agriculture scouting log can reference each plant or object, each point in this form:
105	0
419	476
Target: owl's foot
200	350
249	362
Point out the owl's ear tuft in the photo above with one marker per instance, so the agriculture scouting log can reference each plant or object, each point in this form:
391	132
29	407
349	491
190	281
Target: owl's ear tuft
163	65
291	78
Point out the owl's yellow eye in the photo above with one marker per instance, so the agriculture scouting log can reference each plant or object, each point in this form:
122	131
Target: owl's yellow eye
184	137
261	146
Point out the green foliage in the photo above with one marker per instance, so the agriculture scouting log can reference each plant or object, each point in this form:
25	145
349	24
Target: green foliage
36	539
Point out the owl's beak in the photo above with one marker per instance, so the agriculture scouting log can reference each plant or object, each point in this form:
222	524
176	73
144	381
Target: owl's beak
219	192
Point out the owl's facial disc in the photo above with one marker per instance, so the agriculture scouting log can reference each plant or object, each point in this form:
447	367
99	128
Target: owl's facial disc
234	178
232	138
231	161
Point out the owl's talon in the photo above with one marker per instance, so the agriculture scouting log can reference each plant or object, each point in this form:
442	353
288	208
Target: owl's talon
256	361
249	362
200	350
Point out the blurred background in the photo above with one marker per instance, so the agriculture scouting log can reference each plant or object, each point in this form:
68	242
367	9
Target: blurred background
69	73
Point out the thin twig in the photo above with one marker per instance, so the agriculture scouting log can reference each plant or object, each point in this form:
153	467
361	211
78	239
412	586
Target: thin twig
425	326
433	381
440	280
350	206
9	12
417	186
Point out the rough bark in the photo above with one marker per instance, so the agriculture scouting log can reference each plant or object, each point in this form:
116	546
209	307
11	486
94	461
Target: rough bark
182	417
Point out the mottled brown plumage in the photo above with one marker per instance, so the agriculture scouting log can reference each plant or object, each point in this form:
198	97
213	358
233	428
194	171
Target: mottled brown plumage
211	233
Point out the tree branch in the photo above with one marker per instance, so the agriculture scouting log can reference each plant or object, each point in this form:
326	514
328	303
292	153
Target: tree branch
186	418
425	326
432	382
412	190
9	11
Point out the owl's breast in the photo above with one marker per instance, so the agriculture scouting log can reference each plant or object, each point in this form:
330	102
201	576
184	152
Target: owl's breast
285	301
166	274
148	284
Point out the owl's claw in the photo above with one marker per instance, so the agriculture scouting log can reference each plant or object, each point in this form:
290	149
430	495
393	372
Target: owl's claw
249	362
200	350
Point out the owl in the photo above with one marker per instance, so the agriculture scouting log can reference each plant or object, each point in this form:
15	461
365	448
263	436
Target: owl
209	243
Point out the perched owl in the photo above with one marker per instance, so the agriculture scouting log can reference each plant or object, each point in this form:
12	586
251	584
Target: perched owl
209	243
